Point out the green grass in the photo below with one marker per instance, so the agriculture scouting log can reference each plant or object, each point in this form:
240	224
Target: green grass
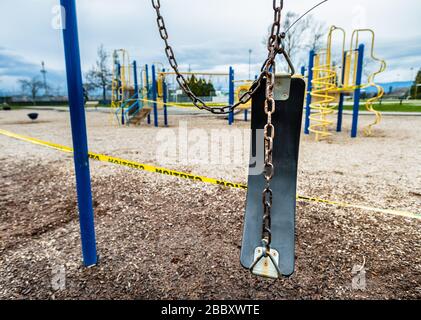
391	107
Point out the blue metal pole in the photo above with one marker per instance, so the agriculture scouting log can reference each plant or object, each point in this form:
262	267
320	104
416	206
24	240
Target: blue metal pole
119	81
120	93
136	83
357	93
341	98
309	88
148	92
231	95
164	98
154	97
78	126
303	70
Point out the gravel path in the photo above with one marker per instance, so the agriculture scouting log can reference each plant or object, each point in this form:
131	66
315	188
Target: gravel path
160	237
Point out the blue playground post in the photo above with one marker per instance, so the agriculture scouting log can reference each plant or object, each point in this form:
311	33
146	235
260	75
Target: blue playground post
119	93
231	94
136	81
341	98
164	99
148	92
303	70
357	92
78	126
309	88
154	97
119	96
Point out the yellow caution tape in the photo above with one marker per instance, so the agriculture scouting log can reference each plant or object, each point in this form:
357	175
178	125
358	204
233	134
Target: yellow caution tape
192	177
128	163
362	207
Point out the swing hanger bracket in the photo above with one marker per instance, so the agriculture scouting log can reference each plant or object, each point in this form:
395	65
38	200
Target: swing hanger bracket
282	87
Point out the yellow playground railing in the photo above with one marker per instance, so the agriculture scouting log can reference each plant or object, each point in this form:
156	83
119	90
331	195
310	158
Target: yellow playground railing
121	86
330	81
324	89
370	82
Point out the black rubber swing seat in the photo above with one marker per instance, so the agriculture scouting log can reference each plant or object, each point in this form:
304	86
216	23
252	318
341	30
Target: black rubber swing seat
287	121
33	116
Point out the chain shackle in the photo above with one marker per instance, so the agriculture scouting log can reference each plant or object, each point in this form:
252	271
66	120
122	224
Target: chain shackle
277	4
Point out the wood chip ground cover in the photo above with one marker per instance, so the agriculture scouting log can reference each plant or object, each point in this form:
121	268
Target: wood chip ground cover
160	237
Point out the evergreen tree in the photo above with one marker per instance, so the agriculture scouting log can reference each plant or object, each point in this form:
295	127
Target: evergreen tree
200	87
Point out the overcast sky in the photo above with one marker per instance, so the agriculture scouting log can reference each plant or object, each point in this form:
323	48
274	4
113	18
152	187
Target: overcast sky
206	34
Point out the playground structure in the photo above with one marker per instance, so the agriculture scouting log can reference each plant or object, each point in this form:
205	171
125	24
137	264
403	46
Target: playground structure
126	92
168	89
329	83
242	87
133	101
165	92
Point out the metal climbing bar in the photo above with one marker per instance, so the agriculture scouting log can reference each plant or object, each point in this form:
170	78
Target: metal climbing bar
341	96
164	100
309	89
370	81
78	126
154	97
231	94
357	94
322	98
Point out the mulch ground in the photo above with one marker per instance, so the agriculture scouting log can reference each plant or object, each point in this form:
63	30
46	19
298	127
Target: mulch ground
160	238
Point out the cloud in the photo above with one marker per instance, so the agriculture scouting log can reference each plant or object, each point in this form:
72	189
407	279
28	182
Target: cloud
14	67
206	34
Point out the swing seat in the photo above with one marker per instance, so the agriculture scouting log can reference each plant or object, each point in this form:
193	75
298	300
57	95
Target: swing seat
289	96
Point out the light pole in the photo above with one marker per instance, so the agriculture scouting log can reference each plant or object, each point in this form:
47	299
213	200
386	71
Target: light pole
44	77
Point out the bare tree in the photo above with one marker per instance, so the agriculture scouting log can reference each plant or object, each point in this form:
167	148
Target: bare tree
293	41
32	86
306	34
99	77
317	30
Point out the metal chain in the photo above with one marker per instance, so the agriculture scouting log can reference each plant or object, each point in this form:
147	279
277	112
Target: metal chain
274	47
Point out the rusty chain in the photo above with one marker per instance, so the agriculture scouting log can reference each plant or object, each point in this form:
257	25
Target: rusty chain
275	47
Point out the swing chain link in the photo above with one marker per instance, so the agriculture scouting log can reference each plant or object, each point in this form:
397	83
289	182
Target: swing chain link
275	47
